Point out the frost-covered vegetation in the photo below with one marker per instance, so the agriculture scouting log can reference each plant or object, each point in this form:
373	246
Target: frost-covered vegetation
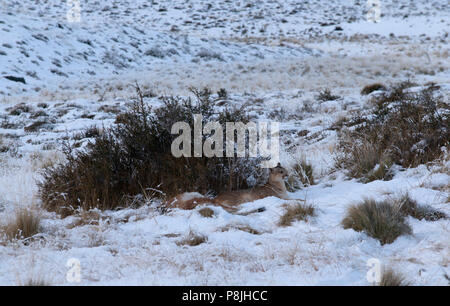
364	132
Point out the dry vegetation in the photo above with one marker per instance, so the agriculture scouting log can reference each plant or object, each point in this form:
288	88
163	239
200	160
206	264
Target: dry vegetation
135	154
403	127
409	207
25	224
372	87
301	175
296	212
326	95
206	212
391	278
193	239
34	282
381	220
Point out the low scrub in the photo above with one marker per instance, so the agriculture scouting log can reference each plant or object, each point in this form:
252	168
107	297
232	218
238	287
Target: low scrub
135	154
403	127
381	220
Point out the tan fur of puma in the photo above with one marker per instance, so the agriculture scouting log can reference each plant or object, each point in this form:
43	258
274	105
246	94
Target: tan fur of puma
231	200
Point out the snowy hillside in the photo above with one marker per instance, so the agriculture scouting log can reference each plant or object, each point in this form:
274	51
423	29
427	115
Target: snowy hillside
64	82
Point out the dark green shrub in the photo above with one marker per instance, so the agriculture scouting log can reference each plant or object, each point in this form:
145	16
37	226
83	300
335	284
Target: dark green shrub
135	154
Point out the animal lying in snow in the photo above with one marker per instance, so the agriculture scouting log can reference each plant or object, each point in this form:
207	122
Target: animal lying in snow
231	200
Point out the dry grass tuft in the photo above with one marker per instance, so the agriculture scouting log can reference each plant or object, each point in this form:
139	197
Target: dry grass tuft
297	212
25	224
35	282
193	239
391	278
381	220
206	212
241	227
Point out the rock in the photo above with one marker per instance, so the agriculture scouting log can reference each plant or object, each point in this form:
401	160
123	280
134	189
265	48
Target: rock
15	79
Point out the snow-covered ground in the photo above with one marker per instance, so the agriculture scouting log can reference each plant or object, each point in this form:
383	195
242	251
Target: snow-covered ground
276	55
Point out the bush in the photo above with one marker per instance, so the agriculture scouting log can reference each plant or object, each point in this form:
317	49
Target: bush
296	212
391	278
410	207
402	128
380	220
326	95
371	88
135	155
301	175
26	224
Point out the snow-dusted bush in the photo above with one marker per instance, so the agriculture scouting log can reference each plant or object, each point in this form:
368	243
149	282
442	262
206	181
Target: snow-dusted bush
155	51
301	175
409	207
326	95
135	155
209	55
403	127
381	220
114	58
372	87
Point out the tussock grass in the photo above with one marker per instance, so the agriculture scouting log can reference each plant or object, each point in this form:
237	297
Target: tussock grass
35	282
296	212
193	239
381	220
391	278
25	224
206	212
